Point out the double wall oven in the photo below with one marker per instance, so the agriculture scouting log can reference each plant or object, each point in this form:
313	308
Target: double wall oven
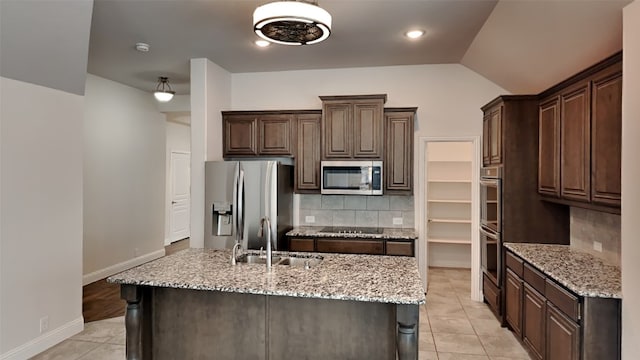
491	222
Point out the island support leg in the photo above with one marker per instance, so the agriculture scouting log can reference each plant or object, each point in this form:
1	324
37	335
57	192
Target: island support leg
408	319
133	321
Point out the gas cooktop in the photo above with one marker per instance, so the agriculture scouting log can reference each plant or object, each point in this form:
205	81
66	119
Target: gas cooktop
351	230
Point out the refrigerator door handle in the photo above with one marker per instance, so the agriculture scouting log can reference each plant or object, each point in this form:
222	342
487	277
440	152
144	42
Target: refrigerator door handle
234	209
240	202
268	183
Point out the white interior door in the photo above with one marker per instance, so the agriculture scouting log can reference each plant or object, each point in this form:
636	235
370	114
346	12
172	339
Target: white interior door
180	217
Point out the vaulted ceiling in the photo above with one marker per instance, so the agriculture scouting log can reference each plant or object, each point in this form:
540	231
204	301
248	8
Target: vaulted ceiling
524	46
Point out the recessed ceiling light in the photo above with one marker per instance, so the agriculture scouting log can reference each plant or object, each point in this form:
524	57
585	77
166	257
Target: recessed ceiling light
414	34
262	43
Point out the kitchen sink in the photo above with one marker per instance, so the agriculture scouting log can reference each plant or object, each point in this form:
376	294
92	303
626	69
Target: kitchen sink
256	259
307	262
301	261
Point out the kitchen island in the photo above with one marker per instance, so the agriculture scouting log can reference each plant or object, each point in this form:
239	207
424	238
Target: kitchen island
196	305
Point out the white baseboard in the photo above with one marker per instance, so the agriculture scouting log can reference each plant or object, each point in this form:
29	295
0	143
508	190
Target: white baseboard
45	341
114	269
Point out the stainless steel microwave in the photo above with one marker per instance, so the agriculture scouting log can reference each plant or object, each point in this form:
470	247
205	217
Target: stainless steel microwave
351	177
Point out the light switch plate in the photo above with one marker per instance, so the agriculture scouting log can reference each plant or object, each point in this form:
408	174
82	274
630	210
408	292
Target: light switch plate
310	219
597	246
397	221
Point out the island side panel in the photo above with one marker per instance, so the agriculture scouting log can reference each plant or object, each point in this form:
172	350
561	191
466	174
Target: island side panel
194	324
322	329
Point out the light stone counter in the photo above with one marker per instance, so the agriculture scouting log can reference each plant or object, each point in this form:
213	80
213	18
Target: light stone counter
367	278
388	233
579	271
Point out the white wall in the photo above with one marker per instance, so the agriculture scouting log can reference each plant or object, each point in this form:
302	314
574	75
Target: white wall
210	94
41	223
124	172
178	138
630	174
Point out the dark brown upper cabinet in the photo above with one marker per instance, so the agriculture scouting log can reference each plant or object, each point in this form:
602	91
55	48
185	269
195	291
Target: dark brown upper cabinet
585	112
575	155
606	136
308	154
398	162
549	147
492	136
352	127
255	133
240	135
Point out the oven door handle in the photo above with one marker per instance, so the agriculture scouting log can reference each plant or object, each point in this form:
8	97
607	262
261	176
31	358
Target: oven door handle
489	182
489	234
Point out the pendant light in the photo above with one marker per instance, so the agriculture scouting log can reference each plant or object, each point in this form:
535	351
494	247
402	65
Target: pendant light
163	91
292	22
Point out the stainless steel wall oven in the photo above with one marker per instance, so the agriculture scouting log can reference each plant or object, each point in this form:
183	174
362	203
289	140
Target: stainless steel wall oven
491	222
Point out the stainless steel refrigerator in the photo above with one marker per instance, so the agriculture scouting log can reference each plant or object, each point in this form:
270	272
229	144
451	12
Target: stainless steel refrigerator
238	194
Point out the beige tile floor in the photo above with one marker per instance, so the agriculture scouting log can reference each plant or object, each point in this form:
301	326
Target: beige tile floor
452	327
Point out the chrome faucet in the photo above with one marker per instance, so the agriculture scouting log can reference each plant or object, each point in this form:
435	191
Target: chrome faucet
237	248
267	238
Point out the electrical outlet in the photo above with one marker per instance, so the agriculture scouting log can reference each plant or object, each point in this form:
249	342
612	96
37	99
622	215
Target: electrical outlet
44	324
310	219
597	246
397	221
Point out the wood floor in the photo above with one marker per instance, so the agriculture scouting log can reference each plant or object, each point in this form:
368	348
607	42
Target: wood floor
101	300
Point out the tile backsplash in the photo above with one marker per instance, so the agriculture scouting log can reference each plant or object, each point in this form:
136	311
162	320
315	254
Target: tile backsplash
588	226
354	210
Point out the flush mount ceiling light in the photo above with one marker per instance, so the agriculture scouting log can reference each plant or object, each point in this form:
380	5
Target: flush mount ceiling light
163	91
292	22
262	43
414	34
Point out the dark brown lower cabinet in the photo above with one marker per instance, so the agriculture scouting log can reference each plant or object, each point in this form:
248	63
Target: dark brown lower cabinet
513	302
302	244
491	294
556	323
397	247
563	336
533	321
350	246
402	248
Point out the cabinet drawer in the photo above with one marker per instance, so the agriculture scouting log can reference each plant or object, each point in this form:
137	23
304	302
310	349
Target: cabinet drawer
534	278
563	300
514	263
403	248
350	246
302	244
491	294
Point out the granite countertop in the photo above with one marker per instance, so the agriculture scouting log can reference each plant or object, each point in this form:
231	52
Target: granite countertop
387	233
579	271
369	278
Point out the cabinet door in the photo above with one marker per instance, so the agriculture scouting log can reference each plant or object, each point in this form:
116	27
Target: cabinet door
368	129
275	135
308	154
402	248
337	130
491	294
513	302
563	336
495	136
575	151
240	135
398	164
533	321
486	139
549	148
350	246
301	244
606	136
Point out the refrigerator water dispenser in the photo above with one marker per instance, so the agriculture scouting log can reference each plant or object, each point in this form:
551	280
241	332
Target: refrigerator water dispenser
222	219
